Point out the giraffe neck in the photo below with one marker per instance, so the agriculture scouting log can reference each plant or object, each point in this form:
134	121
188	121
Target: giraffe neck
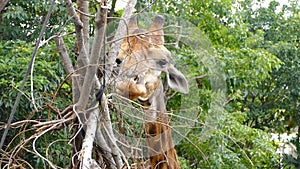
158	133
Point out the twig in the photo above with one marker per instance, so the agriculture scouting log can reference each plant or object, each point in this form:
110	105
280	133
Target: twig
35	52
200	77
121	32
117	149
80	123
85	14
48	147
142	33
104	145
69	108
24	94
19	146
24	161
20	123
53	37
38	136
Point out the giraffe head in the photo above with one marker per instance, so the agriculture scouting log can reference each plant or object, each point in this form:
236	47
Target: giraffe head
142	59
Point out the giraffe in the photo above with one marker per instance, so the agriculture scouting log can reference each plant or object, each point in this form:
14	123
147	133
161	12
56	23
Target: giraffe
141	60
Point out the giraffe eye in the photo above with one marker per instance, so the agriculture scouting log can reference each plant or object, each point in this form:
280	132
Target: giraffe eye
162	62
136	78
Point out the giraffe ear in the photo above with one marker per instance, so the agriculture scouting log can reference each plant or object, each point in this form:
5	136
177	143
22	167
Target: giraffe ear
157	31
176	79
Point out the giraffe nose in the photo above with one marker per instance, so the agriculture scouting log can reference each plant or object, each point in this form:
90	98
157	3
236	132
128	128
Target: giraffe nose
118	61
136	78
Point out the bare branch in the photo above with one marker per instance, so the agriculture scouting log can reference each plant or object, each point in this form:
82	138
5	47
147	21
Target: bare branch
83	6
87	145
86	14
3	4
121	32
80	43
72	13
100	23
104	145
42	133
67	63
108	126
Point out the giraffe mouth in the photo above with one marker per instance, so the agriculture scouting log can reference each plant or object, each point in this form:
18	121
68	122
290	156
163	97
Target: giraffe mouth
130	90
133	89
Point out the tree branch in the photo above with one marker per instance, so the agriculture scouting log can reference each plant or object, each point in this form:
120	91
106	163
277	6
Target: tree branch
82	58
121	32
109	130
87	145
83	6
67	63
73	14
104	145
3	4
100	23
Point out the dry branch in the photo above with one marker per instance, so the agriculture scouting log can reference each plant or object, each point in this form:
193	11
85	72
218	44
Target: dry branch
67	63
83	6
73	14
109	131
87	146
3	4
30	66
83	59
100	23
121	32
109	144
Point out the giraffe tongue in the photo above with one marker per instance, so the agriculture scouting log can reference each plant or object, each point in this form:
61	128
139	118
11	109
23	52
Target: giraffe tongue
142	99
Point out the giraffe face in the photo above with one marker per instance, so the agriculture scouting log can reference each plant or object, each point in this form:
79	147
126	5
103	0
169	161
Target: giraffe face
141	61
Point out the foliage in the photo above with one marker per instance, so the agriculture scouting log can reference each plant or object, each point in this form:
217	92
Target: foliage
48	74
257	49
15	56
233	145
23	19
225	141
